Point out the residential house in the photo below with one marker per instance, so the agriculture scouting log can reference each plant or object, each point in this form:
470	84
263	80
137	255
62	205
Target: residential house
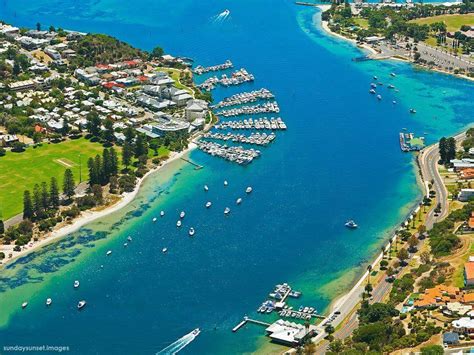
438	296
465	195
469	273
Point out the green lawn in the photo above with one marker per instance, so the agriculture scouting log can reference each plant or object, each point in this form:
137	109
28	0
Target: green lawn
453	22
362	22
21	171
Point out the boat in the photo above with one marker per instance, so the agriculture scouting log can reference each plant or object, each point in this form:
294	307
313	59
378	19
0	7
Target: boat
162	213
206	188
391	86
393	74
379	97
191	231
108	252
372	91
227	210
196	332
208	204
24	304
412	110
226	183
182	214
125	244
81	304
154	219
164	250
248	189
49	301
129	238
178	224
394	102
375	78
373	85
351	224
76	284
239	201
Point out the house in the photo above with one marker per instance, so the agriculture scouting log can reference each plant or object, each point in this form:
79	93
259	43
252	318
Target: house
6	140
465	195
53	53
289	333
22	85
450	338
469	273
470	223
464	325
468	298
464	163
456	308
467	173
438	296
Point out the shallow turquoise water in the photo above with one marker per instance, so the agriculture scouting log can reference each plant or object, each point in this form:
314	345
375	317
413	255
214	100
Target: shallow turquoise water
339	159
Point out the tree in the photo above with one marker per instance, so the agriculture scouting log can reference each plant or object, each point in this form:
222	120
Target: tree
16	68
68	183
442	150
106	167
450	149
329	329
45	203
97	192
54	193
99	167
402	255
127	154
129	134
114	184
141	147
157	52
37	203
155	146
27	205
108	133
93	123
432	350
413	242
93	174
2	227
113	162
425	257
368	289
66	128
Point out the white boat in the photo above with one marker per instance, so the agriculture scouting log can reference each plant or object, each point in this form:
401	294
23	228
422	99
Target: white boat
412	110
239	201
24	304
178	224
81	304
196	332
76	284
129	238
191	231
108	252
226	183
227	210
208	204
379	97
351	224
162	213
394	102
164	250
206	188
154	219
182	214
49	301
375	78
393	74
125	244
248	189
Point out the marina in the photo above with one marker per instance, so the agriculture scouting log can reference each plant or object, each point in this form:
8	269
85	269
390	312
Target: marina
245	97
238	77
199	70
238	155
263	123
254	138
410	143
268	107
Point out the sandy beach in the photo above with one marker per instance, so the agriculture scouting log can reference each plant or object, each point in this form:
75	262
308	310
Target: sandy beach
87	217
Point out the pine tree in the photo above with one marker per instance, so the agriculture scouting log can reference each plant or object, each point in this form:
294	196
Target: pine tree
68	183
108	133
106	168
442	150
129	135
27	205
127	154
113	162
93	123
93	177
2	227
37	202
44	196
450	149
99	168
54	193
141	146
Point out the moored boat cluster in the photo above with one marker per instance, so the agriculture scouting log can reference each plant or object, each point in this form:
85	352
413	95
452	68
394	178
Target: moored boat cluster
267	107
238	77
238	155
264	123
254	138
245	97
199	70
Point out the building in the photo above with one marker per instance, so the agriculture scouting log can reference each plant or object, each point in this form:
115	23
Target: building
459	164
22	85
6	140
464	325
196	109
289	333
465	195
438	296
469	273
166	124
450	338
53	53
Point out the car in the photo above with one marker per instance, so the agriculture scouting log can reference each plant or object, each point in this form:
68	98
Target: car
337	312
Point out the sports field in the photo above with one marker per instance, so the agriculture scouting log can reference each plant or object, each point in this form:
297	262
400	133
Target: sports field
453	22
21	171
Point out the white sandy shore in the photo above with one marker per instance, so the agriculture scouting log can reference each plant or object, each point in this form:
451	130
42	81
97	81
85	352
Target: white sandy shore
87	217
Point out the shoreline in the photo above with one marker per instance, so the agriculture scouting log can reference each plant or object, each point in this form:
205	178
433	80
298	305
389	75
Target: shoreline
90	216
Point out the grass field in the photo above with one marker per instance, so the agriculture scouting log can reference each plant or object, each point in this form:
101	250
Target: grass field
453	22
362	22
21	171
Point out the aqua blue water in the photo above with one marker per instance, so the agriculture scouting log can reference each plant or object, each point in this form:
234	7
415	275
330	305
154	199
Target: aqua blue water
339	159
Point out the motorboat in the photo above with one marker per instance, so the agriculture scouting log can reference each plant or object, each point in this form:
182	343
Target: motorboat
208	204
162	213
178	224
49	301
154	219
182	214
248	189
76	284
412	110
206	188
226	183
373	85
393	74
391	86
227	210
351	224
24	304
129	238
125	245
394	102
191	231
375	78
379	97
372	91
81	304
196	332
108	252
164	250
239	201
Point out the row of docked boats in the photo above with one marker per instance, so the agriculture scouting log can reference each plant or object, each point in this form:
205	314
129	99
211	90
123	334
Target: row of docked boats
254	138
245	97
238	154
267	107
238	77
199	70
263	123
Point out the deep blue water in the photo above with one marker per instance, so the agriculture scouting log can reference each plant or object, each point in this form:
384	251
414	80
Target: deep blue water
339	159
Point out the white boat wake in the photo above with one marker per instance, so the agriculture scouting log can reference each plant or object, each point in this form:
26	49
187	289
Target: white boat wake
180	344
222	16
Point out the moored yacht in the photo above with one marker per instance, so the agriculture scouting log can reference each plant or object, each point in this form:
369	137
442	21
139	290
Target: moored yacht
154	219
125	245
108	252
208	204
227	210
379	97
24	304
372	91
49	301
129	238
226	183
412	110
206	188
239	201
393	74
248	189
351	224
162	213
182	214
375	78
81	304
178	224
76	284
164	250
191	231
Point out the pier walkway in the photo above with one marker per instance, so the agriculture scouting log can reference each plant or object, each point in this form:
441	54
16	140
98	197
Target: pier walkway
249	320
196	166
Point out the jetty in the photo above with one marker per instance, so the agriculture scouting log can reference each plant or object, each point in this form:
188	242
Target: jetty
245	97
262	123
255	138
199	70
234	154
410	143
249	320
238	77
267	107
196	166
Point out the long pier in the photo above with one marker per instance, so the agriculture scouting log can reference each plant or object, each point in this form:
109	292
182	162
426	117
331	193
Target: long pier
196	166
249	320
